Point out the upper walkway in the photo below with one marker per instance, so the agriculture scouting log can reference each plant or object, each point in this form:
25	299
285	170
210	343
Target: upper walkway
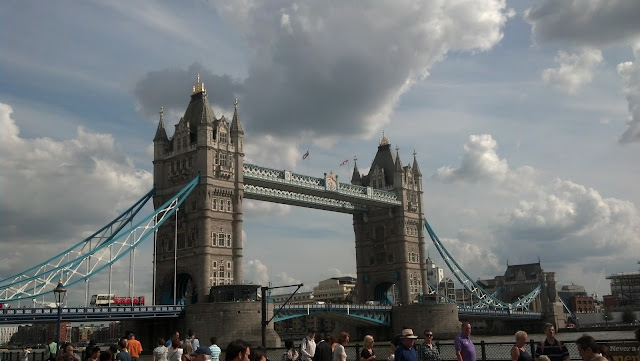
286	187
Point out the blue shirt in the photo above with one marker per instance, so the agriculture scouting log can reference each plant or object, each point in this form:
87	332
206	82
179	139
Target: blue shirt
405	354
465	346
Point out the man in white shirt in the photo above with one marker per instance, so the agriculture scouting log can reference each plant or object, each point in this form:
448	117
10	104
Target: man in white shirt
308	346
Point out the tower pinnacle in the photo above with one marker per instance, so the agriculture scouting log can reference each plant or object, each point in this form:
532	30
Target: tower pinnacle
199	87
384	140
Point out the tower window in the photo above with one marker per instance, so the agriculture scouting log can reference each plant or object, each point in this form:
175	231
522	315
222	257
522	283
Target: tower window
220	239
214	204
223	137
223	159
228	205
222	204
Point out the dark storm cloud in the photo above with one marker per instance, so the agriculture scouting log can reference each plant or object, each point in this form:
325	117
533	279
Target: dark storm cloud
171	88
333	68
588	22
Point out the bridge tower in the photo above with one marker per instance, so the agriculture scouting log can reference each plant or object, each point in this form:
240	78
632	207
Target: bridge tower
206	240
390	249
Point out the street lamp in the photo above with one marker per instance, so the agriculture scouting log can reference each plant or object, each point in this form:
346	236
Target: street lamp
59	292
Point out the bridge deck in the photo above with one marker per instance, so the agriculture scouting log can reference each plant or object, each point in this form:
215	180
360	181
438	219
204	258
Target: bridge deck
286	187
77	314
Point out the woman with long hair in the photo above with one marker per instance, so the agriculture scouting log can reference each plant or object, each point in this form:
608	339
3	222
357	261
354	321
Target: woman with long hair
187	350
367	353
339	354
160	352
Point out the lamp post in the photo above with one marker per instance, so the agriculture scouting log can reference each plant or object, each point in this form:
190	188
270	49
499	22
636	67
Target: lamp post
59	292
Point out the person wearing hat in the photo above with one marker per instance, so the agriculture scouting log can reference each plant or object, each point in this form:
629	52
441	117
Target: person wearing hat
201	353
405	350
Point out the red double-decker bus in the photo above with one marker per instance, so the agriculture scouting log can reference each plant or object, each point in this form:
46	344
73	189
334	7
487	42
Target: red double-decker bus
105	299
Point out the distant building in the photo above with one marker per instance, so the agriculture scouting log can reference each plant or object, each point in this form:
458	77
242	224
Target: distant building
435	274
447	288
583	304
625	289
298	298
336	289
566	293
6	332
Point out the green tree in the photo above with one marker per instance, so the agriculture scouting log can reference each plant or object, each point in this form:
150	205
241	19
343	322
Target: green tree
629	315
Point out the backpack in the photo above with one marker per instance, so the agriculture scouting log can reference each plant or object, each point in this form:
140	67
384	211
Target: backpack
306	340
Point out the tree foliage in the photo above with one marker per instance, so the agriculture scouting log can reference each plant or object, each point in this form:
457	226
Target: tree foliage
629	315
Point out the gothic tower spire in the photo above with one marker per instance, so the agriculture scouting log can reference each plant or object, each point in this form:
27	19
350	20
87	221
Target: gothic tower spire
236	125
356	178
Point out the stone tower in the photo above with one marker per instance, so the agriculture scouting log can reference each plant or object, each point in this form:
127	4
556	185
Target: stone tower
207	239
390	255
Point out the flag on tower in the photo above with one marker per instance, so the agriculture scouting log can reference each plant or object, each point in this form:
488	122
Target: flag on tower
345	162
305	155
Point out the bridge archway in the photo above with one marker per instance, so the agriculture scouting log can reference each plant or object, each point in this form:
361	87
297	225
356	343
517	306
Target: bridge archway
385	293
185	288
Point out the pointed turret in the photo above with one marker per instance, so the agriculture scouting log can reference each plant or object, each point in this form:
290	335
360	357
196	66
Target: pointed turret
398	161
199	110
161	133
416	169
356	178
236	125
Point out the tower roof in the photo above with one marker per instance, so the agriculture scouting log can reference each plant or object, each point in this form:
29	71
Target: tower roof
416	168
161	133
355	177
199	110
384	160
236	125
398	161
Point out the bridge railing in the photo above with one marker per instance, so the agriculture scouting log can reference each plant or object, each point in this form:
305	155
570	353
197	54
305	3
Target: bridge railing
485	351
333	306
305	181
84	310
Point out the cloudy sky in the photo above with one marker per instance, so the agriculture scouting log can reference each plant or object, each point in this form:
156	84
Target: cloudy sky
525	116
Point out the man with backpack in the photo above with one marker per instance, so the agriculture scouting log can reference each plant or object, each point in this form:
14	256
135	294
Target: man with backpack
551	347
308	346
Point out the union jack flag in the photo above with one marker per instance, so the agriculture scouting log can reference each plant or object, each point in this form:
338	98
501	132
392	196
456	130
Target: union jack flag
305	155
345	162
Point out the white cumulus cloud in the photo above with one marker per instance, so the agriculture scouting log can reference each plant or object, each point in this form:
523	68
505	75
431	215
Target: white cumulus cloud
574	70
480	161
630	74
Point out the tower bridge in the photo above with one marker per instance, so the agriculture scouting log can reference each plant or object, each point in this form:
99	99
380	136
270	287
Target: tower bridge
200	184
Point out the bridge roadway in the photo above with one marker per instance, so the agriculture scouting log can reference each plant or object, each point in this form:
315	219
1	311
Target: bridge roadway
373	314
80	314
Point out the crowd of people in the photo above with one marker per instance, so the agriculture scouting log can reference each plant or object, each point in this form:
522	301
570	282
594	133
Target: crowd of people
328	348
